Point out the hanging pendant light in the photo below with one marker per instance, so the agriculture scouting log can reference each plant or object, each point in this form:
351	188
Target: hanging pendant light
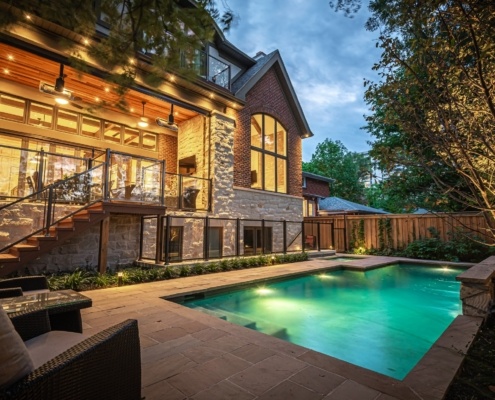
143	121
171	115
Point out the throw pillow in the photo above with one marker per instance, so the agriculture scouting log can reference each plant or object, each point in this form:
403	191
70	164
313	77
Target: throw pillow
15	362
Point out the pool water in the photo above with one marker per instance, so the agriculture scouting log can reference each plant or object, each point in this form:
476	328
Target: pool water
385	319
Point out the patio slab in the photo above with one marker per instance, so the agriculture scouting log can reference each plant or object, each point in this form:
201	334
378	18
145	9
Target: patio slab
190	355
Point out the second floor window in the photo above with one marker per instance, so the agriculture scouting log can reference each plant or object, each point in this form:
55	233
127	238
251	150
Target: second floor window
268	154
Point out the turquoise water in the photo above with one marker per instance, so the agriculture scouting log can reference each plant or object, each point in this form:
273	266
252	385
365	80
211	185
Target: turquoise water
384	319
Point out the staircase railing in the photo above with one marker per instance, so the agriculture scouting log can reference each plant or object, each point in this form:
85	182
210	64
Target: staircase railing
39	211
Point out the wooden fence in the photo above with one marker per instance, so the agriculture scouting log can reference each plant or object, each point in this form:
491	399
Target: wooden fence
343	232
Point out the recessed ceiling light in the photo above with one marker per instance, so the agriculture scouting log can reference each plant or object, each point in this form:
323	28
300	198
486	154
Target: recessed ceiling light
6	71
107	89
10	57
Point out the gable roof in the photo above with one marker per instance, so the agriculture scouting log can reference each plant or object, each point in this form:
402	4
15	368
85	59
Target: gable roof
317	177
244	83
338	205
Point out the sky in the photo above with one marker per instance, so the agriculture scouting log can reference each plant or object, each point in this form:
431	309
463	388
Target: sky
327	57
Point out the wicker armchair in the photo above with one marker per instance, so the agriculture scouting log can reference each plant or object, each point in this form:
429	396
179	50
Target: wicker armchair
28	284
106	365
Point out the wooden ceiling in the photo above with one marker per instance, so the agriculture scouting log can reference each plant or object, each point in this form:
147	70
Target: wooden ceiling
28	69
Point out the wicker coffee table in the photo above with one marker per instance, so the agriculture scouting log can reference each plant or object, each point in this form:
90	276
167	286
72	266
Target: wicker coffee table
63	306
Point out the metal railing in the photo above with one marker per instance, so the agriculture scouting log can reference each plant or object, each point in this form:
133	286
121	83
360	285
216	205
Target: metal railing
37	212
208	67
127	178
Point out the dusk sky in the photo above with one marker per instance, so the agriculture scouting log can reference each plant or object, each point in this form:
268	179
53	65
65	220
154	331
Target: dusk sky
327	56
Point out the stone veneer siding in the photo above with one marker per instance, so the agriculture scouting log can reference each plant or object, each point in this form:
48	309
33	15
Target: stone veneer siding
268	97
81	251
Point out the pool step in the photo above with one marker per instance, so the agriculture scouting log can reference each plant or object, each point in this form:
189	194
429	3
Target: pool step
271	329
260	326
228	316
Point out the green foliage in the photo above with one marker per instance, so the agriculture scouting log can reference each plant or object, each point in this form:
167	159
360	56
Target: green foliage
461	246
433	107
198	269
333	160
225	265
88	279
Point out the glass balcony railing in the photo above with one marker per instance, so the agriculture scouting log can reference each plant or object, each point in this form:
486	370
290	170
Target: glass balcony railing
208	67
119	177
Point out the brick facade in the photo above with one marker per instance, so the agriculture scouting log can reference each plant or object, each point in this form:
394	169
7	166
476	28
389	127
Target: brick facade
316	187
167	150
268	97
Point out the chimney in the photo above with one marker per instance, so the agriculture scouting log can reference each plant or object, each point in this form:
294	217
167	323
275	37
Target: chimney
259	55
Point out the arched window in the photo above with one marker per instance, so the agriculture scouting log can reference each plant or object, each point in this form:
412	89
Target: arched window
268	154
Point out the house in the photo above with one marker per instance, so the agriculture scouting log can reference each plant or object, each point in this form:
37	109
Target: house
315	187
336	205
192	170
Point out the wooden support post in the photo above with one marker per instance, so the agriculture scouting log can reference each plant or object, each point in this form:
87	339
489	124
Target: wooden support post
103	253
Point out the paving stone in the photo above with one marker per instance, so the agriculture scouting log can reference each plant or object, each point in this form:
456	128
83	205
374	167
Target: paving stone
267	373
253	353
317	379
162	390
224	391
167	334
289	390
350	390
164	368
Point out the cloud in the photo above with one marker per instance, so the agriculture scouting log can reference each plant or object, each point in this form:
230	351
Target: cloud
327	56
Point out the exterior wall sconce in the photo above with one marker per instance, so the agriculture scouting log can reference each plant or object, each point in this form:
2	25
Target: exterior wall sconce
120	278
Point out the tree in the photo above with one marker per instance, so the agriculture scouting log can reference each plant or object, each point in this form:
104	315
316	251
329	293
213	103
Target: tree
405	185
146	38
333	160
437	87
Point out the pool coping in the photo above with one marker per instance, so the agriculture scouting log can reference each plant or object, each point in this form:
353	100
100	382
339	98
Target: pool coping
431	376
428	380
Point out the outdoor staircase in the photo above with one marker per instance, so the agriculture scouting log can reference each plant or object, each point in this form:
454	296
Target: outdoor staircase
38	244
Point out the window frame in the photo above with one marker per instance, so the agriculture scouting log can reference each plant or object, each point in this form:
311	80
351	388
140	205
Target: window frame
263	153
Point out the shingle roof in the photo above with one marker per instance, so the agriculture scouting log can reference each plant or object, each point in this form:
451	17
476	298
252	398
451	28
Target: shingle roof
246	76
336	204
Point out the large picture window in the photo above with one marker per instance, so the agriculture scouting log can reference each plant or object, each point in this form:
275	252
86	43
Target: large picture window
268	154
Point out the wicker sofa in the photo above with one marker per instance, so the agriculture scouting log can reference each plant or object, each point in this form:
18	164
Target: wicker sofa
106	365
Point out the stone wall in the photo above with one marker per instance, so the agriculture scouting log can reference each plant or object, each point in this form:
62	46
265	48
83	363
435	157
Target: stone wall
478	289
81	251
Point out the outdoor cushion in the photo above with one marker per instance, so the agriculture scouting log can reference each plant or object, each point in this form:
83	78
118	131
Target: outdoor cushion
15	361
49	345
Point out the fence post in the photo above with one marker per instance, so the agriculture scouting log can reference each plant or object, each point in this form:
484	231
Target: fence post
167	240
345	233
318	236
206	240
237	237
106	188
284	225
262	236
302	236
48	217
158	238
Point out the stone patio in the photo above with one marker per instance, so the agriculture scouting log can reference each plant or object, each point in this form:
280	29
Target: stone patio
190	355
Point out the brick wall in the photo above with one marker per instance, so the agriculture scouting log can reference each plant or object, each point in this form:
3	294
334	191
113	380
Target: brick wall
167	150
268	97
316	187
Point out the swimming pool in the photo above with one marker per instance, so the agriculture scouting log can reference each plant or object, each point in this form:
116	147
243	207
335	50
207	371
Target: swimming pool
383	319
